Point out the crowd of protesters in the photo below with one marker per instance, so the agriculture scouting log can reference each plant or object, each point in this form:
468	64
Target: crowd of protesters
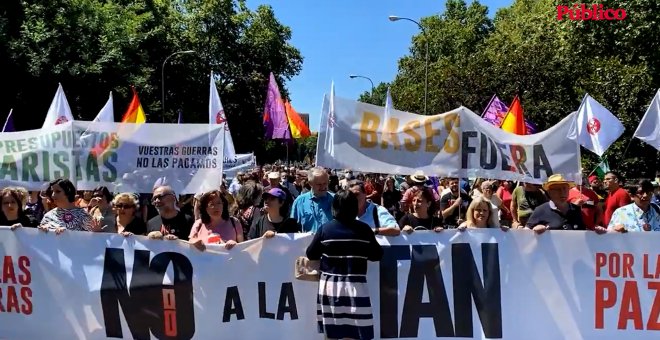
344	211
275	199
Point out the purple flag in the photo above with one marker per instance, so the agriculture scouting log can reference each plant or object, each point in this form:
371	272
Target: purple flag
495	112
276	123
9	123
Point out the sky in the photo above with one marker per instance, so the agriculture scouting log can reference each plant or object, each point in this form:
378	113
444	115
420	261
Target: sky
341	37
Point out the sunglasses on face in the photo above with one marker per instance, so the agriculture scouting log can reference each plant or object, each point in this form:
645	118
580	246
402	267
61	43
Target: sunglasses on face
124	206
159	197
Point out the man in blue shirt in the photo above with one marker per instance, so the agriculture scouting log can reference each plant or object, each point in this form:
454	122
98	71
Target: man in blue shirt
314	208
376	216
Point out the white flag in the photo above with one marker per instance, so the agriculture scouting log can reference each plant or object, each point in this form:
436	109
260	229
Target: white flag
106	115
388	105
595	128
59	111
649	127
217	116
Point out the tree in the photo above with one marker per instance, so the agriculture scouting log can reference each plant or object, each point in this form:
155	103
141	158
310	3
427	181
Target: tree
94	46
377	97
550	64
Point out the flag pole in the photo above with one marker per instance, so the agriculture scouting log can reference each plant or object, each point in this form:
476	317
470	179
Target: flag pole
4	126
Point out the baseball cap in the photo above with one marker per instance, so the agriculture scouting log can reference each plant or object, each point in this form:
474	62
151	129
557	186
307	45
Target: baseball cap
275	192
273	175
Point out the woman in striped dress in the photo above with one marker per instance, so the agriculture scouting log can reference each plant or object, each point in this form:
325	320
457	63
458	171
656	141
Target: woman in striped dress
343	246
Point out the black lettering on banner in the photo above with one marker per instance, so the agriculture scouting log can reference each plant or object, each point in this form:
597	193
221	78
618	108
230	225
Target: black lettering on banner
466	150
263	313
389	287
505	157
287	302
468	286
233	305
149	306
541	162
424	267
486	163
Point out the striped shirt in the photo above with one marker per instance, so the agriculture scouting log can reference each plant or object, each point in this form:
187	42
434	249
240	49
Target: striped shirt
344	249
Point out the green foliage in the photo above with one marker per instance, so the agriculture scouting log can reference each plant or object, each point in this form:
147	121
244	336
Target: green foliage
377	97
550	64
93	47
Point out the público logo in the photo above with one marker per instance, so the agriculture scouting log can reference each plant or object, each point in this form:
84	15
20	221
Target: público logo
581	12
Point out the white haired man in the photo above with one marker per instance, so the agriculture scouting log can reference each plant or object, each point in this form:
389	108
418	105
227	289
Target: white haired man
314	208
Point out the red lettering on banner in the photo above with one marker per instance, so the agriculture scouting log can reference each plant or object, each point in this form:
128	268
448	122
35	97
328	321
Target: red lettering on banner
15	291
8	273
603	303
601	260
653	323
651	274
169	312
629	308
25	278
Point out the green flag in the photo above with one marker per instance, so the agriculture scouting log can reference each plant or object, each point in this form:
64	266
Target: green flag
602	169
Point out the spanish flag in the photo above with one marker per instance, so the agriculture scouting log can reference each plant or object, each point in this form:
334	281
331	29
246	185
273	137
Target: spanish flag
296	124
514	120
134	114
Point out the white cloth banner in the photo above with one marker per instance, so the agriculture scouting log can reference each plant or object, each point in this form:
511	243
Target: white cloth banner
457	143
482	284
242	162
123	157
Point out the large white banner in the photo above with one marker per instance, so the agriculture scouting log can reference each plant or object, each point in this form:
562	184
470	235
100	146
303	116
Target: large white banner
459	143
123	157
482	284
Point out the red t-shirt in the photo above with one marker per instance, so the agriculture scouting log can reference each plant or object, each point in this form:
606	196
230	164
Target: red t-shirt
588	208
615	200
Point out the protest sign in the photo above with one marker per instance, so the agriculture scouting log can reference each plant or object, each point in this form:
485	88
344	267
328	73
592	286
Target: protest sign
458	143
123	157
485	284
242	162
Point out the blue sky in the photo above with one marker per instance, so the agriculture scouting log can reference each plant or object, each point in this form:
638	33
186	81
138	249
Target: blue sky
342	37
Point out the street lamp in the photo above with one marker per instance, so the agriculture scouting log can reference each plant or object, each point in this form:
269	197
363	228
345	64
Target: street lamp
426	62
162	77
353	76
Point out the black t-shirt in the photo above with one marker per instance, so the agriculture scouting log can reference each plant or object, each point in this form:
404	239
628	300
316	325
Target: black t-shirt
447	201
24	220
426	223
391	199
547	214
179	226
136	226
261	225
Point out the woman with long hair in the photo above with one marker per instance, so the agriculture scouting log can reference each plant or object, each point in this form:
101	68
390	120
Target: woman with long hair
12	213
479	215
343	246
126	206
504	192
391	198
424	214
248	199
65	215
275	220
215	224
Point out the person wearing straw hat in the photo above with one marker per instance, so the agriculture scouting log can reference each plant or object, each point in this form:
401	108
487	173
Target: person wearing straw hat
558	213
419	182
